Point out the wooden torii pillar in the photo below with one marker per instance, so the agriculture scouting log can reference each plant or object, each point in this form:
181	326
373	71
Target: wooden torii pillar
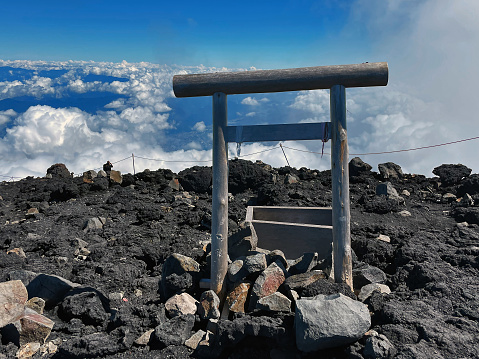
337	79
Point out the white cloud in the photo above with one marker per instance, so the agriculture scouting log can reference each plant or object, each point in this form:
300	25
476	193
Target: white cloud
6	116
193	145
429	100
199	126
250	101
316	102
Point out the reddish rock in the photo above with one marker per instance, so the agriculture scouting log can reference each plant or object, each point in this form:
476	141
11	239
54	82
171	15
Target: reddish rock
209	306
34	327
267	283
13	296
236	299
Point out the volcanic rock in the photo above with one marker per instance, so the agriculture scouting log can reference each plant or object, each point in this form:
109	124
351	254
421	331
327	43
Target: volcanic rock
177	264
50	288
368	289
451	174
255	263
357	166
86	304
59	170
209	305
95	345
36	304
172	332
236	271
367	274
116	177
13	296
378	346
237	297
275	302
181	304
300	281
267	283
195	339
329	321
34	327
390	170
231	332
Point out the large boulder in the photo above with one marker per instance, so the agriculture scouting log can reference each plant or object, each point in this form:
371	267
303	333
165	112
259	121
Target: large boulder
357	167
328	321
245	175
451	174
390	170
196	179
59	170
13	296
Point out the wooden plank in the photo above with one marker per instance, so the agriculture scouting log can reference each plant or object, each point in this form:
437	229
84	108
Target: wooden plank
302	215
284	132
306	78
340	187
294	239
219	222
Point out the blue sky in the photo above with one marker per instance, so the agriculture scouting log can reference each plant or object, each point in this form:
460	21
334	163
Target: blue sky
269	34
82	82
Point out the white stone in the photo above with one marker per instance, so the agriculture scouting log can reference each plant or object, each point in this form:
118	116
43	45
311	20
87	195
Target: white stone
384	238
405	213
181	304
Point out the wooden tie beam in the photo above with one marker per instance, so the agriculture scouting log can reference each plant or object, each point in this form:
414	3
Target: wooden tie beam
336	78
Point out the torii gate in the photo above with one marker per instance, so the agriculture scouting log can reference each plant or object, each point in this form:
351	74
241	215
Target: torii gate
336	78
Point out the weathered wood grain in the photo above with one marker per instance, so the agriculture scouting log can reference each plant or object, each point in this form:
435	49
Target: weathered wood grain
340	186
306	78
219	221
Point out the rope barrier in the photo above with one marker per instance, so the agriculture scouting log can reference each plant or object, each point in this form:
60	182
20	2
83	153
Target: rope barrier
396	151
274	148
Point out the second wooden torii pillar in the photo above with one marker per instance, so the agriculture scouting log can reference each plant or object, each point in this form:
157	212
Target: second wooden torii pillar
337	79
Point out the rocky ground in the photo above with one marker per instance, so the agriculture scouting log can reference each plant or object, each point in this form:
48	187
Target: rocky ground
95	251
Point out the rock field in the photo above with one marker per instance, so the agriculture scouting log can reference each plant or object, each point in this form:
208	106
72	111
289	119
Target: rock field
110	266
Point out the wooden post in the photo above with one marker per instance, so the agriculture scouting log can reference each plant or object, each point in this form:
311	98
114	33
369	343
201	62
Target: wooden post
340	183
219	225
133	156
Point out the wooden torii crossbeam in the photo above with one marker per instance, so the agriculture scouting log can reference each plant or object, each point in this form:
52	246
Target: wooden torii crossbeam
336	78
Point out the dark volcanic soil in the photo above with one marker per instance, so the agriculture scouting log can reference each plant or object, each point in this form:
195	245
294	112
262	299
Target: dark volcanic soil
431	262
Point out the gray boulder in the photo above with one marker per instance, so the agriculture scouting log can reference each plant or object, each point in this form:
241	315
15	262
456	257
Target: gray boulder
367	274
329	321
390	170
358	166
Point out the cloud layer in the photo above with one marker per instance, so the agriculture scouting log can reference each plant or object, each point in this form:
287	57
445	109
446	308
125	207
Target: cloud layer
85	113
